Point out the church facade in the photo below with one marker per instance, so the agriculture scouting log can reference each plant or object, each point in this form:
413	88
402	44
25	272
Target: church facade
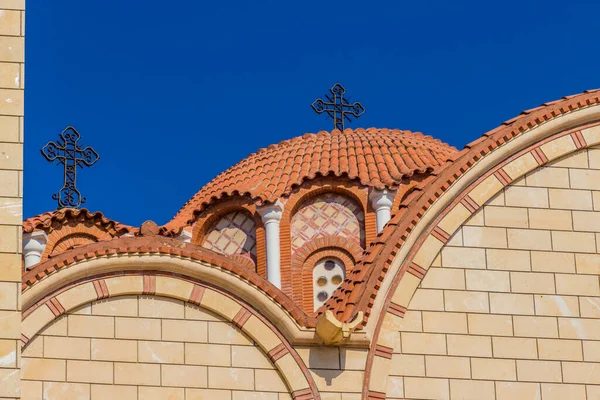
345	265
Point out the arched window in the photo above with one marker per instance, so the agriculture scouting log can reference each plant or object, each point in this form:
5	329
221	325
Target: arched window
328	275
234	233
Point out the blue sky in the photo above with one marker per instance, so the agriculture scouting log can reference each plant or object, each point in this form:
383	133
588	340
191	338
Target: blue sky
172	93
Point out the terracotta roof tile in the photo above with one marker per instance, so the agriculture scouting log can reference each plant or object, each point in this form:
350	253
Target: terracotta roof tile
358	291
376	157
47	221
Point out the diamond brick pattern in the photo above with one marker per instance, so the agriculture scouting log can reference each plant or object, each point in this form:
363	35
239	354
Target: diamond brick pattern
235	233
329	214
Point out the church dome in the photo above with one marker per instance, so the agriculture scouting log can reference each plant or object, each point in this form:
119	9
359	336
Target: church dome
379	158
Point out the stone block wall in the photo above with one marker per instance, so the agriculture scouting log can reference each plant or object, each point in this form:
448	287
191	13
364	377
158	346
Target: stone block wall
12	27
146	348
510	309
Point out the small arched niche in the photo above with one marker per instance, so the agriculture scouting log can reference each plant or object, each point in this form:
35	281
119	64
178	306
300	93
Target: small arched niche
233	233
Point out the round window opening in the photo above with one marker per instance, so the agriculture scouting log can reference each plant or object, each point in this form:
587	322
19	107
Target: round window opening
328	275
322	281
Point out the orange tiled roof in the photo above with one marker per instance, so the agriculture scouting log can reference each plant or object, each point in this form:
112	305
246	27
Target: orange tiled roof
376	157
359	289
47	221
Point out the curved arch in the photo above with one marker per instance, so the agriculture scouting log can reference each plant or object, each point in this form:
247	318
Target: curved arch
309	266
306	257
420	244
306	191
371	273
58	238
207	218
180	287
324	185
233	234
156	253
70	241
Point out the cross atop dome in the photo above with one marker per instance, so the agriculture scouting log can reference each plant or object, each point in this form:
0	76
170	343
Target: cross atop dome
68	153
337	107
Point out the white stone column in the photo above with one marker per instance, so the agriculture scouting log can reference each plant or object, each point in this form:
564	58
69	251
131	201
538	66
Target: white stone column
382	201
34	244
185	236
271	216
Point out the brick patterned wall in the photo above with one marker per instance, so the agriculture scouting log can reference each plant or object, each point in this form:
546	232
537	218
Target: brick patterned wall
328	214
510	309
12	17
146	347
234	233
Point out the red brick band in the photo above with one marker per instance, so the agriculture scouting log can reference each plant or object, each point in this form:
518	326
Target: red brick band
440	234
304	394
397	310
101	289
416	270
277	352
503	177
539	156
384	351
373	395
196	296
578	139
55	306
241	317
24	340
149	284
469	204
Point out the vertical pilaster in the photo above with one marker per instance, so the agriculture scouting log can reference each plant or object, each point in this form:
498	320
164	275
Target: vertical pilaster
271	217
382	202
12	27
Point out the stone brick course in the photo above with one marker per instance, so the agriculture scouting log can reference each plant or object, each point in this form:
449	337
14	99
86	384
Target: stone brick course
12	17
146	347
512	307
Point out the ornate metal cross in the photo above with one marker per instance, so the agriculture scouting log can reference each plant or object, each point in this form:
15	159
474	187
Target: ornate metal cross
337	107
68	153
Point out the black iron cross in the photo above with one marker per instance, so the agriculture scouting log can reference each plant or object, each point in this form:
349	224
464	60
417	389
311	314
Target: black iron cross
68	153
337	107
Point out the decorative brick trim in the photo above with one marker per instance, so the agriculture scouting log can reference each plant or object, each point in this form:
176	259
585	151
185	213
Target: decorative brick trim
469	204
397	310
206	219
149	284
578	139
55	306
503	177
305	192
416	270
539	156
241	318
196	296
373	395
101	289
166	248
384	351
304	394
440	234
277	352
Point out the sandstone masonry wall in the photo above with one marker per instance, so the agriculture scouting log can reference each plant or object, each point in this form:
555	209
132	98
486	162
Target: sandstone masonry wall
146	348
12	28
510	309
